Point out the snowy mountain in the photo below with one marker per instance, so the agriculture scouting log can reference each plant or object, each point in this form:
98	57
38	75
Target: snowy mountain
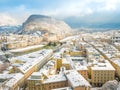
44	24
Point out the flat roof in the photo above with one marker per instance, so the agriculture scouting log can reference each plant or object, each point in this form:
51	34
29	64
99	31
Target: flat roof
78	66
105	65
79	58
55	78
35	76
65	61
76	79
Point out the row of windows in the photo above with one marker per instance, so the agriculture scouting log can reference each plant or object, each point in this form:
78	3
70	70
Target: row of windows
56	86
102	80
115	37
104	74
109	77
97	84
51	86
103	71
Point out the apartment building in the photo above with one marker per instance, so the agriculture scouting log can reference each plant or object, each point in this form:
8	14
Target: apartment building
76	80
50	68
31	62
58	58
115	38
15	83
101	72
66	63
70	78
82	69
38	81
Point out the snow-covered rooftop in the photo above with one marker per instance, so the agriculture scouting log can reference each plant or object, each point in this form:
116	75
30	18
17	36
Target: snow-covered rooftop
32	59
1	62
1	53
65	61
77	58
78	66
117	61
6	76
14	80
105	65
76	79
56	55
55	78
47	67
35	76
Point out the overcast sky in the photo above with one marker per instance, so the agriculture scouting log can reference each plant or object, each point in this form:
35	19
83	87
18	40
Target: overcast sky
95	11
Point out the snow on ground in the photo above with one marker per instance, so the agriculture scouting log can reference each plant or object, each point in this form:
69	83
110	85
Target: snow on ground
26	48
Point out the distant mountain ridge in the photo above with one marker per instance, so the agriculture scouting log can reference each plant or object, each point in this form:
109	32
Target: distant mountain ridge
110	25
9	29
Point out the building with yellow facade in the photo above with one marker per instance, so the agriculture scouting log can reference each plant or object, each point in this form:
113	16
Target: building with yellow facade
32	62
15	83
66	64
38	81
70	78
76	80
101	72
58	58
82	69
